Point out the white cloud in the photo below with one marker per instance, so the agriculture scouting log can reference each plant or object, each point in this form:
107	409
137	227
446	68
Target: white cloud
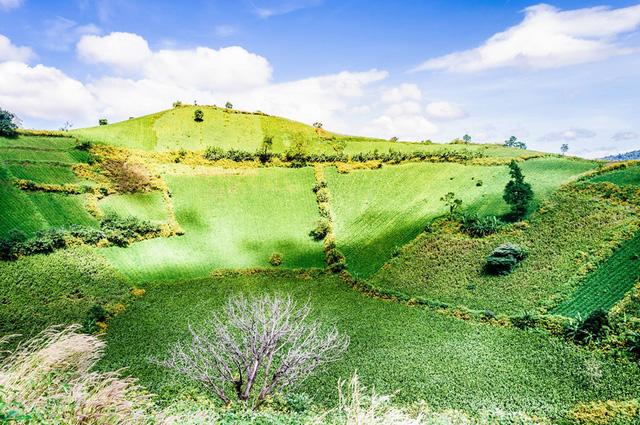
10	4
625	136
548	38
44	93
444	111
408	128
123	51
402	93
9	52
568	135
403	108
228	69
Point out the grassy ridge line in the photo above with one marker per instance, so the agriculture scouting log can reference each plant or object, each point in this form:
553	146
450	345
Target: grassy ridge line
448	363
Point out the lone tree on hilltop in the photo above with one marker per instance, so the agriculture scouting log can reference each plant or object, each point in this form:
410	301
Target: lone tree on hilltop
258	345
9	123
198	115
317	124
564	148
228	105
103	121
517	192
466	138
513	142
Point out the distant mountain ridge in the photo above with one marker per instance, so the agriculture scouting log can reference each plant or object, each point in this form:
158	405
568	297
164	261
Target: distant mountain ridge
623	156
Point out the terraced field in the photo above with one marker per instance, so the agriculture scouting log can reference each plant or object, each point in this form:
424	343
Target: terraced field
45	174
18	212
147	206
379	210
629	176
133	134
608	284
448	363
61	210
230	221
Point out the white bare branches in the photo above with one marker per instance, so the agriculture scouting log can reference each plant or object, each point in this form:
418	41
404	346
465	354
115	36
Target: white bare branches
264	340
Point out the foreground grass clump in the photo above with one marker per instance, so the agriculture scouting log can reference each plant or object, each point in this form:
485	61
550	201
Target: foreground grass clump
230	221
449	363
378	210
61	287
564	243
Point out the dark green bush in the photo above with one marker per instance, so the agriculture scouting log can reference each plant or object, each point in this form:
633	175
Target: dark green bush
587	330
503	259
12	242
95	314
525	320
479	226
321	227
319	185
198	115
323	195
83	145
276	259
87	234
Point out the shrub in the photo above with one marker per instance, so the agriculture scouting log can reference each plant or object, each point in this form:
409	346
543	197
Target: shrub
323	195
504	258
479	226
319	185
177	103
96	314
321	227
587	330
83	145
213	153
517	193
228	105
11	244
276	259
198	115
102	121
87	234
525	320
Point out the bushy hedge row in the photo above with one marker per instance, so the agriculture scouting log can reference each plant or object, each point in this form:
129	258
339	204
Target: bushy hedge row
114	229
443	155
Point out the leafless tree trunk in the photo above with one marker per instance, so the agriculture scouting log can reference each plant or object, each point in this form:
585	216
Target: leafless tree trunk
265	340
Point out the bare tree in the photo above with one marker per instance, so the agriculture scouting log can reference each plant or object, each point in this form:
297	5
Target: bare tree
265	340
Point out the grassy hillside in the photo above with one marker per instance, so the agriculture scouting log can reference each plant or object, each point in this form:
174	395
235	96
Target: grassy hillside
628	176
230	221
449	267
608	284
41	290
18	212
148	206
376	211
447	362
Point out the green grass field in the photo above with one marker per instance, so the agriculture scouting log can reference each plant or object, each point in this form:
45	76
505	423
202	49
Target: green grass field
133	134
449	267
35	155
230	221
61	210
446	362
39	142
18	212
44	174
377	210
42	290
608	284
628	176
147	206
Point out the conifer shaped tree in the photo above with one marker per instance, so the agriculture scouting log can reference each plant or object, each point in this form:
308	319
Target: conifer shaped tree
517	193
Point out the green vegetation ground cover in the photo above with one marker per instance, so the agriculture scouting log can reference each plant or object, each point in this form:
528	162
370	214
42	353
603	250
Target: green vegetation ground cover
38	142
449	267
608	284
18	212
62	209
230	221
44	174
146	206
58	288
627	176
133	134
35	155
447	362
377	210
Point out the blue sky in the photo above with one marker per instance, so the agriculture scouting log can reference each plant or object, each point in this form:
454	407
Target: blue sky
563	72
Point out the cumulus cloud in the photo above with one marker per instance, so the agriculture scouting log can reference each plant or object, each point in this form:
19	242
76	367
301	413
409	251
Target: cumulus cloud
548	38
9	4
402	93
444	111
44	93
405	127
227	69
625	136
568	135
404	108
9	52
123	51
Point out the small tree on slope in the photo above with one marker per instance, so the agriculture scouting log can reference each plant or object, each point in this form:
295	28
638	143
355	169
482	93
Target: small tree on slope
9	123
517	193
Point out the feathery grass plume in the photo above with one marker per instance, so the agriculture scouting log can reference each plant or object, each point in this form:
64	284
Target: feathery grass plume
49	374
